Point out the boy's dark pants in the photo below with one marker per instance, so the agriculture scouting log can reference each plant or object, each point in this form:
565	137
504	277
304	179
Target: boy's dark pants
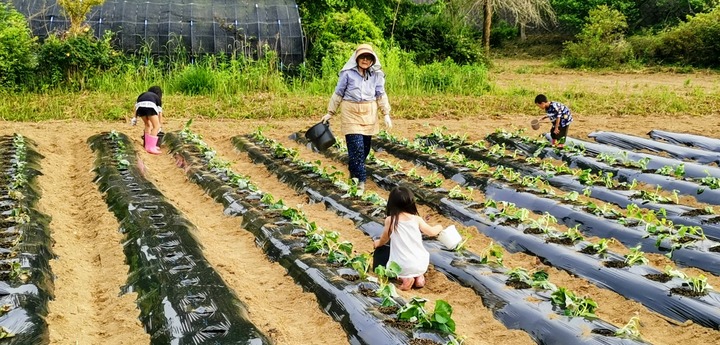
560	137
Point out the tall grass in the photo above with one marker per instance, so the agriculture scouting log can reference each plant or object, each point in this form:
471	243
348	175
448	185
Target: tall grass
404	77
237	87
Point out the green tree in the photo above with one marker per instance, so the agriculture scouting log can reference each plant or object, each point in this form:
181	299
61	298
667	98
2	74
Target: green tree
695	42
524	11
379	11
664	13
73	60
76	11
340	31
572	13
17	46
601	43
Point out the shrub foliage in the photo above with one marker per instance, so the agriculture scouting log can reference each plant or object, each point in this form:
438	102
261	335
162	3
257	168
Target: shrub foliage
601	43
72	60
695	42
17	45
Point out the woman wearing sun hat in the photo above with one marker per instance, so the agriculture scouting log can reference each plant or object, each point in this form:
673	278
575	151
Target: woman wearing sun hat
359	93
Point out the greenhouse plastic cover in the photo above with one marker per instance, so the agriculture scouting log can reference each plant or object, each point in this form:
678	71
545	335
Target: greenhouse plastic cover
205	26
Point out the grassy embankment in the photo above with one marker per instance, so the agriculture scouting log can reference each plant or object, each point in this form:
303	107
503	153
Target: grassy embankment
513	85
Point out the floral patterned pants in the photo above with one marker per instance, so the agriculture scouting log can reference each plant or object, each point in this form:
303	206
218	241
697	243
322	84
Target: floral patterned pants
358	146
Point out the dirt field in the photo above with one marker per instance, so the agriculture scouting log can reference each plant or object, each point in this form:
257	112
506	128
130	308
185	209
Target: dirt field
90	269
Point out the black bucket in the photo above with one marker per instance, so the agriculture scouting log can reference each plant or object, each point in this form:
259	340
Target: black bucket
160	138
321	136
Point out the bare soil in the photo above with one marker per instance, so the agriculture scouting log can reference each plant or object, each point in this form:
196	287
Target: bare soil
90	268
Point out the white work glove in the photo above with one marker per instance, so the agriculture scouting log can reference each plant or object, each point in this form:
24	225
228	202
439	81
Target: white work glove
388	122
133	121
326	118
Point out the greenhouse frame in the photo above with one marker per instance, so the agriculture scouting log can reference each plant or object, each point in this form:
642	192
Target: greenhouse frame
202	26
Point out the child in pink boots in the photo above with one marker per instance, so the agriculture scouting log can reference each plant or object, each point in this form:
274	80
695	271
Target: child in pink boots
149	108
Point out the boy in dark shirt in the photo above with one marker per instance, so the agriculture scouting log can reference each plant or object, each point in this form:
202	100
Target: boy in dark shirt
560	117
149	108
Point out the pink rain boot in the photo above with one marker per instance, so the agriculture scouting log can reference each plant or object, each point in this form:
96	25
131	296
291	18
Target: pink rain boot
151	144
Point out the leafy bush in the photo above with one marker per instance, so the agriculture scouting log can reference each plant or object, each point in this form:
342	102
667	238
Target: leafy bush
337	30
438	77
434	38
16	48
645	46
660	14
695	42
502	31
74	59
601	43
574	14
194	80
76	11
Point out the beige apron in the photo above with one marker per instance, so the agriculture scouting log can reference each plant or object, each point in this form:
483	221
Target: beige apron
359	118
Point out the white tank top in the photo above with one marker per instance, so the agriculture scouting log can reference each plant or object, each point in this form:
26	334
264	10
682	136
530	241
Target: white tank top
407	250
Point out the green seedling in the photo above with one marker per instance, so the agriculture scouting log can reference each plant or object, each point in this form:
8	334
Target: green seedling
531	160
340	253
361	263
571	196
432	180
4	333
636	257
573	234
456	340
603	210
385	290
538	279
5	308
374	198
414	175
697	284
326	242
602	245
456	157
573	305
544	223
457	193
385	273
18	216
677	171
607	158
631	330
17	272
493	253
440	319
710	181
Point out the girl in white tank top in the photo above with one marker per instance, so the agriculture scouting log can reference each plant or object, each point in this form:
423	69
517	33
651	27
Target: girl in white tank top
404	229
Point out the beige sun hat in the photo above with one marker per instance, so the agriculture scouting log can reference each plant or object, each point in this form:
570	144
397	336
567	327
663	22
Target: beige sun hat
364	49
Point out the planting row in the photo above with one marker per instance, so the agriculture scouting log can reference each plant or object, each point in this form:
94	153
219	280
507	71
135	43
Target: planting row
633	282
25	277
685	245
636	143
683	178
705	143
335	274
463	266
181	298
678	214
